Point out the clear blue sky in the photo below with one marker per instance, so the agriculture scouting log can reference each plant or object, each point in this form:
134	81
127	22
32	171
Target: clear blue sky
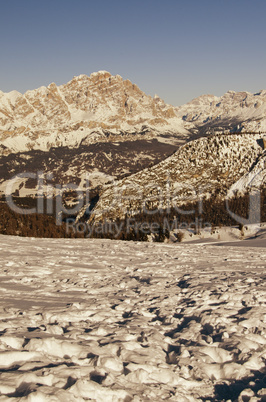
178	49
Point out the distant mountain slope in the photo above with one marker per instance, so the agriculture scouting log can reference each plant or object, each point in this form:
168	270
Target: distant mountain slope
203	167
96	163
234	111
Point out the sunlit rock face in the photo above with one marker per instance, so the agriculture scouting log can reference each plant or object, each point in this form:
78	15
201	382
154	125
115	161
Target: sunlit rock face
87	109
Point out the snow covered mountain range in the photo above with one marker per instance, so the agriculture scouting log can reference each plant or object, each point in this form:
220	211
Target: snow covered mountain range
107	127
102	107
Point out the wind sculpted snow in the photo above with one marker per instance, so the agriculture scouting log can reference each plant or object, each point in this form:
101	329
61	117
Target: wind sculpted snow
122	321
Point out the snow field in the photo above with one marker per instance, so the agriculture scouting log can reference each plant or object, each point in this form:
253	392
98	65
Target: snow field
122	321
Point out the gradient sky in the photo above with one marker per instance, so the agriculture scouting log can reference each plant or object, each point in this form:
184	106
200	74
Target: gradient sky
178	49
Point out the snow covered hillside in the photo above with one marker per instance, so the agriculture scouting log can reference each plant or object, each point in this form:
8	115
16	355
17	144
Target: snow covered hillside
204	167
254	179
122	321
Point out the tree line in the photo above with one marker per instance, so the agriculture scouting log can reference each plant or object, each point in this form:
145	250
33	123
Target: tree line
139	227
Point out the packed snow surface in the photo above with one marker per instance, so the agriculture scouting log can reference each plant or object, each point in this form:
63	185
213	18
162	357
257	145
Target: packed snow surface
117	321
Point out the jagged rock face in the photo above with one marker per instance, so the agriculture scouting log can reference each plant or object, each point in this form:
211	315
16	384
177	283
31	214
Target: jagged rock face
234	111
85	110
201	168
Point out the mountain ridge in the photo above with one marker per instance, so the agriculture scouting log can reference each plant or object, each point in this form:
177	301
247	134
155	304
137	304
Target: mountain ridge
232	112
103	107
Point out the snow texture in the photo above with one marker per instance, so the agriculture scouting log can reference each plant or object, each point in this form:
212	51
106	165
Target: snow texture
117	321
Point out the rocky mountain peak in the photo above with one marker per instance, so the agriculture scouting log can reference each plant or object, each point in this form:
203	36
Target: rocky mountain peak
84	110
100	74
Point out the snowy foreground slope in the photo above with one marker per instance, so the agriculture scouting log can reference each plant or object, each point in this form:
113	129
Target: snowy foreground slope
121	321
